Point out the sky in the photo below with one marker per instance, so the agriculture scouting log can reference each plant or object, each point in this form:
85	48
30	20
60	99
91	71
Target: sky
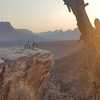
43	15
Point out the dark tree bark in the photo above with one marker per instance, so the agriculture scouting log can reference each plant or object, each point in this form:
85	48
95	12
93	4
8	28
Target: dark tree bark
88	34
83	22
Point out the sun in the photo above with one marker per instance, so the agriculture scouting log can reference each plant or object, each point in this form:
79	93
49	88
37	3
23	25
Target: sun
93	9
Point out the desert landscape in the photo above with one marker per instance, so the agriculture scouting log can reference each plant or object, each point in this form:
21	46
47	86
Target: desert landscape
49	50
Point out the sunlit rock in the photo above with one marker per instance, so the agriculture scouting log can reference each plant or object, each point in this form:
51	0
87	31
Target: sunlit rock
24	73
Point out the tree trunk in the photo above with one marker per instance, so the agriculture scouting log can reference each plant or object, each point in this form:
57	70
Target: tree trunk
88	34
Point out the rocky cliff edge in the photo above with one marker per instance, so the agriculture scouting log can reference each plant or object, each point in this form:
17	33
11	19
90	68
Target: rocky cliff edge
24	73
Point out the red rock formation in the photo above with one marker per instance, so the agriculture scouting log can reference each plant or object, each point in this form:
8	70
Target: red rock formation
25	76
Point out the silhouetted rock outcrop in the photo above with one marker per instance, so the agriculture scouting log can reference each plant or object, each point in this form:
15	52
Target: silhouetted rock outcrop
6	27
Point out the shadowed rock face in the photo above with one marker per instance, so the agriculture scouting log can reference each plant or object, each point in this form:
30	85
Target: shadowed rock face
6	27
71	79
24	77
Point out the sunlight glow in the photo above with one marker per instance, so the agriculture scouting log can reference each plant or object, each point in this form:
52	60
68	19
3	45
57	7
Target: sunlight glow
93	9
43	15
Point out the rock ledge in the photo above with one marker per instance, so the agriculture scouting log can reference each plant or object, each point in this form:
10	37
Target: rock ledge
24	73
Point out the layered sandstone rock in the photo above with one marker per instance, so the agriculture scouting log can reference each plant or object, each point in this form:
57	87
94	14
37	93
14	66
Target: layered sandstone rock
24	73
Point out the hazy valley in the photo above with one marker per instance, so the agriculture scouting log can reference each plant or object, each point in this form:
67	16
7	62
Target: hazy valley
67	76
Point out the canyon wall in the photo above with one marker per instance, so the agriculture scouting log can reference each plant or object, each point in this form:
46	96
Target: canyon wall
24	73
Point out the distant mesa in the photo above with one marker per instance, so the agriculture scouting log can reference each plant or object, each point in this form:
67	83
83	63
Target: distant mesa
6	27
60	35
9	33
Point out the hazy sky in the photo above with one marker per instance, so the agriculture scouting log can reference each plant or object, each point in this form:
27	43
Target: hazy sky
42	15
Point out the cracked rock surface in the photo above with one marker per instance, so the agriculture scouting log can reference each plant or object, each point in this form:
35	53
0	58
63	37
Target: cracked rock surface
24	73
